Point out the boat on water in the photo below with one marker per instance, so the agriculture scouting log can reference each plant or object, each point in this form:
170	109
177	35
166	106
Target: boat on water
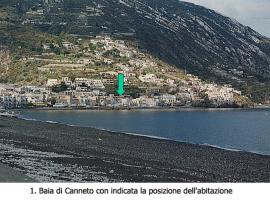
7	113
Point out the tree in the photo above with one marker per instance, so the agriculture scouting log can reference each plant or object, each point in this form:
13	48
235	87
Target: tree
60	88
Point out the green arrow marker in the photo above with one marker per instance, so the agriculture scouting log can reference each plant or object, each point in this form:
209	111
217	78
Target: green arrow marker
120	84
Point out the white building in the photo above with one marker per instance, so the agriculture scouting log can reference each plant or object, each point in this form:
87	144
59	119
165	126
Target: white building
52	82
144	101
150	78
168	98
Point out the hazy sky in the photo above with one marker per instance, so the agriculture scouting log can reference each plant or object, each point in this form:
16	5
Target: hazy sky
253	13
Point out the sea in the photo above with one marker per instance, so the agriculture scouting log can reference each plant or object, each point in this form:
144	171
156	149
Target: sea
230	129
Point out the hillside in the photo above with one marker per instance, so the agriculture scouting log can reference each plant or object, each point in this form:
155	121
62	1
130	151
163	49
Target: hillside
205	43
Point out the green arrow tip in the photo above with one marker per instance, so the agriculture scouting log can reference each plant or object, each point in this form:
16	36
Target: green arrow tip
120	92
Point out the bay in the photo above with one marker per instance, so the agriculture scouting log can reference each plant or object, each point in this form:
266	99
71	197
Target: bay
245	130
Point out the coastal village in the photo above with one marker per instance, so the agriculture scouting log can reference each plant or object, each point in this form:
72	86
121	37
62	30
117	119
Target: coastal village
90	93
87	78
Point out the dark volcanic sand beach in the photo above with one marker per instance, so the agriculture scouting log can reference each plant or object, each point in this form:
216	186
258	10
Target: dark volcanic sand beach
49	152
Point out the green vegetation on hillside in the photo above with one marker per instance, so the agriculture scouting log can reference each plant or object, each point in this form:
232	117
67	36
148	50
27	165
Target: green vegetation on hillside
25	34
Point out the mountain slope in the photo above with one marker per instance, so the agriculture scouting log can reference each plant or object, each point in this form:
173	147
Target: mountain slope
200	40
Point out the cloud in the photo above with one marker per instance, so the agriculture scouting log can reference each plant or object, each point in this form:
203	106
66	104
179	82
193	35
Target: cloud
253	13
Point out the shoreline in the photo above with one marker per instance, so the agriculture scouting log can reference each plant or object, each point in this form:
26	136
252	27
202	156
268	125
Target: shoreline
103	156
9	175
146	136
140	109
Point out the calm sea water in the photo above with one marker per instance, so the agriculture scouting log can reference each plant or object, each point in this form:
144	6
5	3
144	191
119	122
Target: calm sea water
247	130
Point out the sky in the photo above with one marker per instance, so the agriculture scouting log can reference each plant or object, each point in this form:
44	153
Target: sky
253	13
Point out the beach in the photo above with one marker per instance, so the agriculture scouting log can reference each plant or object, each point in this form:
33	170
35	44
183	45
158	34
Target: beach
7	174
50	152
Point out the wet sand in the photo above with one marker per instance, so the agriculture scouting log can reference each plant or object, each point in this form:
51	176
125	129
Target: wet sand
10	175
48	152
